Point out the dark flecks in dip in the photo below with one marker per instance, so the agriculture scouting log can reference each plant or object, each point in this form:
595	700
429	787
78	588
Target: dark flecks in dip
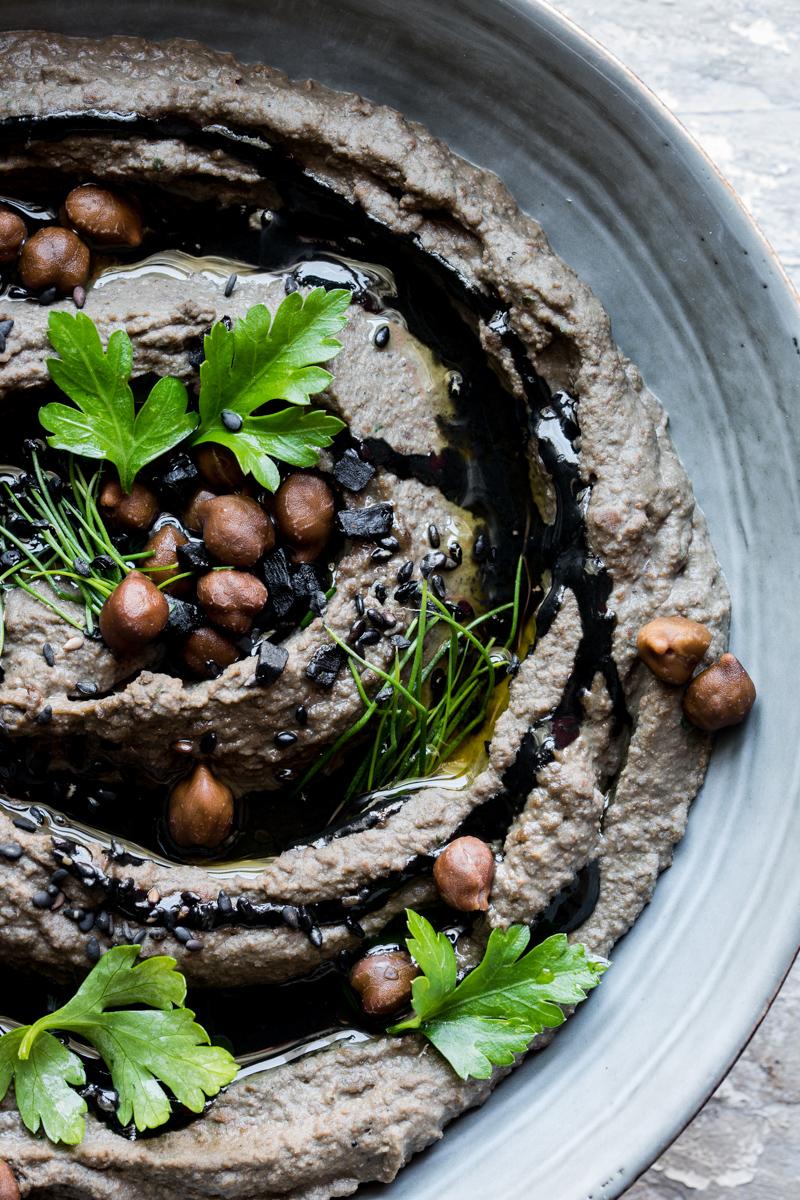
381	337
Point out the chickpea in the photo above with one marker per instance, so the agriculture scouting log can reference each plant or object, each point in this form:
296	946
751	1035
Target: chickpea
207	651
231	599
304	511
464	873
54	257
13	232
195	511
132	511
134	614
219	467
721	695
672	647
9	1188
163	547
200	810
103	217
383	982
236	530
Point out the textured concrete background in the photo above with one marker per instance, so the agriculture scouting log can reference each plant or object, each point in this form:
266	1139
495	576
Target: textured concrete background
730	70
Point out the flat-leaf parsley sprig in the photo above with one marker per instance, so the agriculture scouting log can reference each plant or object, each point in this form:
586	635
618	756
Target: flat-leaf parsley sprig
146	1049
261	359
497	1010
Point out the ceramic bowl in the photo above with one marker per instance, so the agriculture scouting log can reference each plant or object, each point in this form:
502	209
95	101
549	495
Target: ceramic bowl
701	305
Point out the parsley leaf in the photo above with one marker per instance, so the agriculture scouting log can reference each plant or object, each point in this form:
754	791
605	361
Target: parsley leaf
144	1049
105	423
499	1007
266	358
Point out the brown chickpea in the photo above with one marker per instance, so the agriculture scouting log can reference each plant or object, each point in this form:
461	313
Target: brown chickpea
102	217
231	599
200	810
13	232
236	530
219	467
195	510
383	982
162	566
132	511
9	1188
672	647
134	614
54	257
464	873
206	651
721	695
304	511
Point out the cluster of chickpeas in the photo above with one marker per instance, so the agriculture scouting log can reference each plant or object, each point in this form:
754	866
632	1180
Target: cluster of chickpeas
56	259
237	530
720	695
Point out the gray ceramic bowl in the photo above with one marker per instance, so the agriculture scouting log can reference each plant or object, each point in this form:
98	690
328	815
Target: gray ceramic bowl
700	303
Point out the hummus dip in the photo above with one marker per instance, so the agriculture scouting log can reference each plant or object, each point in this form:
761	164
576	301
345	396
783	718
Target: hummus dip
479	380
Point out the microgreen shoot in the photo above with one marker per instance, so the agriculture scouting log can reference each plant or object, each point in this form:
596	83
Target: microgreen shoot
434	696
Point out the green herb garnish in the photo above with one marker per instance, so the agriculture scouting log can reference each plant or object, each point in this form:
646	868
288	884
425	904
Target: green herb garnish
261	359
65	568
143	1048
267	358
413	728
105	424
497	1010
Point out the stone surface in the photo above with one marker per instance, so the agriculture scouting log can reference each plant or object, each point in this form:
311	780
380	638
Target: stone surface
729	70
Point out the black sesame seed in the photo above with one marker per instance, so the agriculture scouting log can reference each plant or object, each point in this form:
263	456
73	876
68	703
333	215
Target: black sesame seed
359	603
26	824
102	562
11	850
230	284
208	742
224	904
370	638
381	337
139	937
434	540
86	922
290	916
301	715
44	716
103	922
48	295
81	567
356	629
182	934
381	555
49	654
93	951
438	587
5	330
290	285
315	936
481	548
232	421
456	554
405	572
432	562
227	322
86	687
41	899
285	738
380	619
380	592
389	543
59	875
194	944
